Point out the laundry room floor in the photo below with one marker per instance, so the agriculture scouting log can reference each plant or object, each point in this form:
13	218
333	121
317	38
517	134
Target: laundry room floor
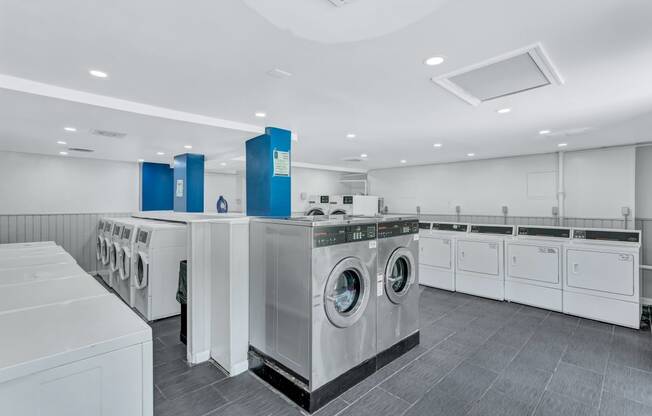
476	357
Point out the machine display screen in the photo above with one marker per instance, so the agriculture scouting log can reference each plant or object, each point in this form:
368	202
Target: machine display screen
424	225
328	236
396	228
323	199
107	226
117	230
142	237
544	232
126	234
462	228
347	200
360	232
101	226
492	229
605	235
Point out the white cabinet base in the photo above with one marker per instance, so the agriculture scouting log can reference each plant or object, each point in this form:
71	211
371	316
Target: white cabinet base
537	296
437	278
603	309
479	285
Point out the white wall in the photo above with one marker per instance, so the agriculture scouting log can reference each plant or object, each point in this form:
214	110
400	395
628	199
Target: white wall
312	182
40	184
644	182
228	185
598	184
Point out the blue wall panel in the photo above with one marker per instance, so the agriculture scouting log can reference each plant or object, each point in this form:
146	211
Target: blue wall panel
189	168
156	187
268	194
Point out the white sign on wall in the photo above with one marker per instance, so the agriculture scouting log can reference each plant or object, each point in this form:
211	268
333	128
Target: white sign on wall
179	188
281	163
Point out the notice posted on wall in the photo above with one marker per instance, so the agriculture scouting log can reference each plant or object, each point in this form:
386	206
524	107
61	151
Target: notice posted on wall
281	163
179	188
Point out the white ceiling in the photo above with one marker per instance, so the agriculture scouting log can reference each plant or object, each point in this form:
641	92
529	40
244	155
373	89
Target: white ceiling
356	69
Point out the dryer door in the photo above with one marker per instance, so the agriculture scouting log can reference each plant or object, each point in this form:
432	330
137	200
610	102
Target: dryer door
105	251
478	257
601	271
400	275
142	271
124	263
534	262
347	292
113	256
436	252
98	247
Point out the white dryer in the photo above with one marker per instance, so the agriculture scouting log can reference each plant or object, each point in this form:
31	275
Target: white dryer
318	205
126	259
10	246
480	260
601	277
361	205
82	357
39	273
438	242
105	248
160	249
114	248
534	266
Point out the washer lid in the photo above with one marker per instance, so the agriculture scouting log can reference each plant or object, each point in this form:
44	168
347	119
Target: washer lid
38	339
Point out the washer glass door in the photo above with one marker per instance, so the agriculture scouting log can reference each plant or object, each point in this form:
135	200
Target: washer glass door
105	252
347	292
399	274
98	247
142	271
315	211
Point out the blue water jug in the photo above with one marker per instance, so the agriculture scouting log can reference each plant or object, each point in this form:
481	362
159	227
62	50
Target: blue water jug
222	205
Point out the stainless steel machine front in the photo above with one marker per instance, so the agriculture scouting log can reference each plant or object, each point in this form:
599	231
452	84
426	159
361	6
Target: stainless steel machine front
313	299
398	291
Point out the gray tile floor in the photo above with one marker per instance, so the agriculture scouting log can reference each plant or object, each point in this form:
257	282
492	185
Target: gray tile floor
477	357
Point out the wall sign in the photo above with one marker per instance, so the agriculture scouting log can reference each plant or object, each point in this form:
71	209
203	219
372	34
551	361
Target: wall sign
179	188
281	163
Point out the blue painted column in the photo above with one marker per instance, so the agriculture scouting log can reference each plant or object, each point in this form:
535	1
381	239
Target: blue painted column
188	188
156	192
268	174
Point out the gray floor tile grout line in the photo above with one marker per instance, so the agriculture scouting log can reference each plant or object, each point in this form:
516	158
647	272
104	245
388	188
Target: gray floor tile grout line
550	380
604	377
392	394
160	391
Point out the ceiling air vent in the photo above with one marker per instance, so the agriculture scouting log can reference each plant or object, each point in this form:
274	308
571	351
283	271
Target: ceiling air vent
108	133
352	159
515	72
80	149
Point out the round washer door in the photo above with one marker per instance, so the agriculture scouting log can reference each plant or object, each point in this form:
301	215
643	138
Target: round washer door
98	247
142	271
347	292
113	256
105	252
338	212
399	274
314	211
123	263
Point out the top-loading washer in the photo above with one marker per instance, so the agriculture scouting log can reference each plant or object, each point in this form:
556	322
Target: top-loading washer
160	248
11	246
534	266
318	205
480	260
363	205
39	273
397	329
437	251
312	305
602	277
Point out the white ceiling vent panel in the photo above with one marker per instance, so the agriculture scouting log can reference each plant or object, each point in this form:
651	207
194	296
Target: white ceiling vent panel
518	71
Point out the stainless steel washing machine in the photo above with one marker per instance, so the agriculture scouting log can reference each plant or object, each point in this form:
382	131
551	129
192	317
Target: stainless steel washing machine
312	305
398	288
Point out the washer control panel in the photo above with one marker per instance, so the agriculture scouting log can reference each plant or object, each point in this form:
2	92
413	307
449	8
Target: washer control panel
492	229
446	226
340	234
544	232
607	235
397	228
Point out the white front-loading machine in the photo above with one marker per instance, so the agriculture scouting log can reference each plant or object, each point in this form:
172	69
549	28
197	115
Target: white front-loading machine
114	248
534	266
105	251
480	261
126	259
437	252
160	248
318	205
359	205
602	276
99	241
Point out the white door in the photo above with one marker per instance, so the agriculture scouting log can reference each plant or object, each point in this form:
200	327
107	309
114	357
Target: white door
607	272
436	252
478	257
534	262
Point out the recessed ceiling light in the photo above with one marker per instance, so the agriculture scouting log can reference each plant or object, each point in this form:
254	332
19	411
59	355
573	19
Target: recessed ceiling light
141	160
63	153
260	114
98	74
504	111
61	142
70	129
470	154
160	153
223	164
437	145
562	145
187	146
434	60
350	136
544	131
403	161
364	155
